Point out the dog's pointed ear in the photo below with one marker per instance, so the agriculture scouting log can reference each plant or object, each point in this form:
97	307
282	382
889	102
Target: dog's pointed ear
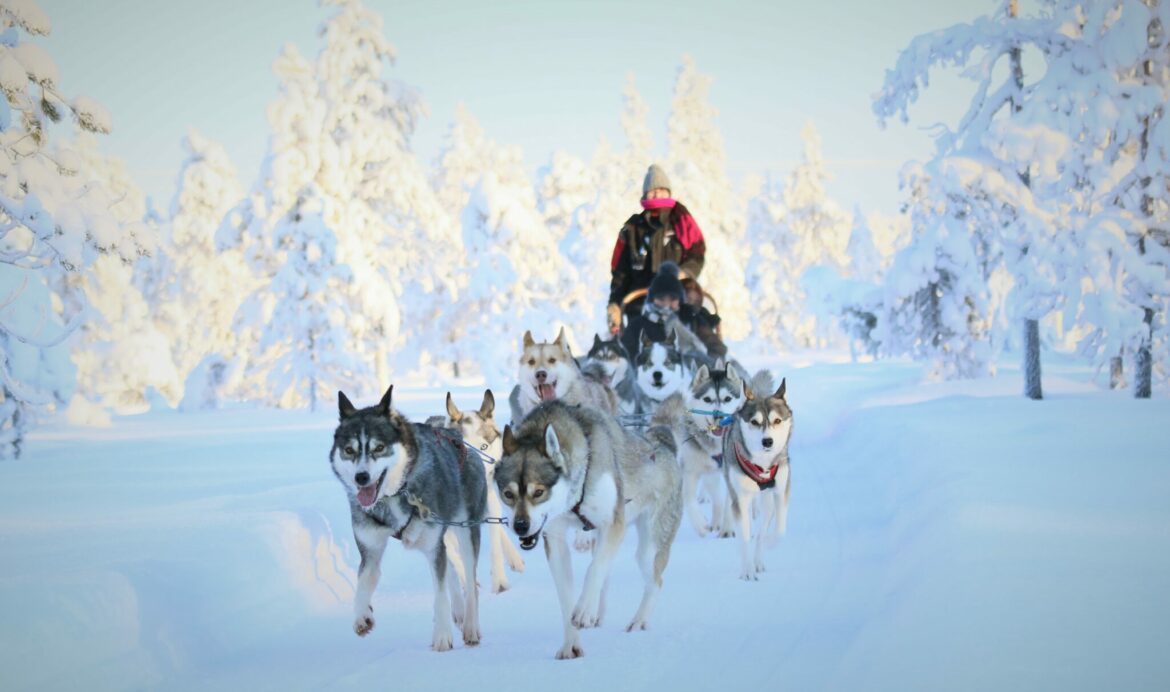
561	336
782	388
552	444
702	375
748	394
510	445
488	407
384	404
452	410
645	339
672	338
345	408
719	364
528	340
596	341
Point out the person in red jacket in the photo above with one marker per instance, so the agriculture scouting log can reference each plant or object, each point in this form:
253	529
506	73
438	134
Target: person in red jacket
663	232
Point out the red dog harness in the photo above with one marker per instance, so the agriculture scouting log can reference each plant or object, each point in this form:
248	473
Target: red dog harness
764	479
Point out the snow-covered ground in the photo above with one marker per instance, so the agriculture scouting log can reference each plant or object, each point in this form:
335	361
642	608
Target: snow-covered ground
951	536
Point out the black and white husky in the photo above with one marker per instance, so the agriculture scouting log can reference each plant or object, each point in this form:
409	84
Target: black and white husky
757	473
611	362
660	370
410	481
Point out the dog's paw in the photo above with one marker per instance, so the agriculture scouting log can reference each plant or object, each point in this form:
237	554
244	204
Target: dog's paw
760	568
585	617
363	624
471	636
569	651
583	543
442	641
499	586
749	575
727	533
516	563
638	625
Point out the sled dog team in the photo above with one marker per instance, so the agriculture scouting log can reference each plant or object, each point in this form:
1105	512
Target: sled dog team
567	464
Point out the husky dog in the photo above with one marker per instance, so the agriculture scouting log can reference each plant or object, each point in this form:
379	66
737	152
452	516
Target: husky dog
613	363
687	343
660	369
406	481
757	471
481	433
548	371
699	416
570	467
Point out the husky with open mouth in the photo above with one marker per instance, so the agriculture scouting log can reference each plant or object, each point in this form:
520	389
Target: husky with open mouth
548	371
410	481
573	467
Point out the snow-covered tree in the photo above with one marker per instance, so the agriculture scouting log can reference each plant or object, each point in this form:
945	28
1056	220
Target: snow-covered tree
343	128
865	262
697	165
305	355
792	229
54	222
200	289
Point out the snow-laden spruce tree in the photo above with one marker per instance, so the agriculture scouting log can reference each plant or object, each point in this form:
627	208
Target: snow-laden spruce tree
304	351
566	188
54	222
791	229
518	279
201	289
617	175
697	166
122	351
342	127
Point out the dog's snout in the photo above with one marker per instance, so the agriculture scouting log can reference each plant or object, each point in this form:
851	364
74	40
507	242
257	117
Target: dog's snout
541	376
521	526
767	441
657	375
362	478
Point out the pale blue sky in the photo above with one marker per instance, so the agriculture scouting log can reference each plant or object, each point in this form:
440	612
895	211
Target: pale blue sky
540	75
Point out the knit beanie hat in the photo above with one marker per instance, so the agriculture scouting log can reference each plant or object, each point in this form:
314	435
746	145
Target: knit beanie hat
655	178
666	282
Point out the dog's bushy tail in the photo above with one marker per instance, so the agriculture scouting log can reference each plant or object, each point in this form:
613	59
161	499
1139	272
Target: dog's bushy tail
671	416
763	383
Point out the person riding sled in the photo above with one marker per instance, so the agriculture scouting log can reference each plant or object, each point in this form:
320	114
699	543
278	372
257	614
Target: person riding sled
663	232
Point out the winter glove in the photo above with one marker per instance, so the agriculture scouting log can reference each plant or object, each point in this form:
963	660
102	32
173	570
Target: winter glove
613	318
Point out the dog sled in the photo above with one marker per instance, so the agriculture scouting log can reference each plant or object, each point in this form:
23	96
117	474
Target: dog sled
707	301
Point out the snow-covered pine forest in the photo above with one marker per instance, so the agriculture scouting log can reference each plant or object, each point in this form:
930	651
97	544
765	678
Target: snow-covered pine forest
1038	225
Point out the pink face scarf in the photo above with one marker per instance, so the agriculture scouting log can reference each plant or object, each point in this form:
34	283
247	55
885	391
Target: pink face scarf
685	228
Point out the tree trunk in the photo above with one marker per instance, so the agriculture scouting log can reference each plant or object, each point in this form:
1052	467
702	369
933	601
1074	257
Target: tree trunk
1032	388
1117	372
1143	362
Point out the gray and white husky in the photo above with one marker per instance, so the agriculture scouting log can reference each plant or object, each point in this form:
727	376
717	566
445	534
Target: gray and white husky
699	417
407	481
480	431
758	475
612	362
548	371
573	467
660	369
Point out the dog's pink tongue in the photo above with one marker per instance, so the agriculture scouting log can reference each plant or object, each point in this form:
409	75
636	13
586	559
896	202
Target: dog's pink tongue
547	392
366	495
717	431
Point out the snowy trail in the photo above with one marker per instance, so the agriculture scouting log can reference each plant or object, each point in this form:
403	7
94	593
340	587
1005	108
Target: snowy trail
940	536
